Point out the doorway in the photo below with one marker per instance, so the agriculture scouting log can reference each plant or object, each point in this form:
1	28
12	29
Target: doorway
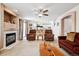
68	23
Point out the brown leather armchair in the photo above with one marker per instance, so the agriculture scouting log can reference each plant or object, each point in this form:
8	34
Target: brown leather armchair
49	36
70	46
32	35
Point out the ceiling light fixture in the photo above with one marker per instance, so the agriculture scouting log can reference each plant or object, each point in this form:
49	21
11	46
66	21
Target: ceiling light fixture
41	12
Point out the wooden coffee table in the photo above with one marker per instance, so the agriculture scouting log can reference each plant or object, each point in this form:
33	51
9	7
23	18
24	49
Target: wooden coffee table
48	50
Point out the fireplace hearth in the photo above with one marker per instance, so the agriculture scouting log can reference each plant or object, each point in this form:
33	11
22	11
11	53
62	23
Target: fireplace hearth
10	38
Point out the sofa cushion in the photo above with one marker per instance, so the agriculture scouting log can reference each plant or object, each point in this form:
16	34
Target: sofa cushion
71	36
77	38
31	35
66	43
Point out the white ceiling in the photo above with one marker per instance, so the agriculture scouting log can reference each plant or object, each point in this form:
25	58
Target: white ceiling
55	9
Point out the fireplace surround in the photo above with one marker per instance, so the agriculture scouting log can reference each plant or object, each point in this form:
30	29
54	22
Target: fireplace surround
9	39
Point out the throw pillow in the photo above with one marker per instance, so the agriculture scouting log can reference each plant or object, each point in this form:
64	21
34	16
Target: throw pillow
71	36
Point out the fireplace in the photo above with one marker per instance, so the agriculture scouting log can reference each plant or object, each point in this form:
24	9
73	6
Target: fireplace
10	38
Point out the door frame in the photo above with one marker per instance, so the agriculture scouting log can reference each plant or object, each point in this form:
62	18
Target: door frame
73	18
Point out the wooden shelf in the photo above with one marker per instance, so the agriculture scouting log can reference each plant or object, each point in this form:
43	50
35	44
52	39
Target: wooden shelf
10	22
9	18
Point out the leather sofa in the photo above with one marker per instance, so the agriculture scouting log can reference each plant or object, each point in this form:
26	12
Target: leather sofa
32	35
71	47
48	36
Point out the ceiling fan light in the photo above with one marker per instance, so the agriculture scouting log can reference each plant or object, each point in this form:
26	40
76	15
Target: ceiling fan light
40	15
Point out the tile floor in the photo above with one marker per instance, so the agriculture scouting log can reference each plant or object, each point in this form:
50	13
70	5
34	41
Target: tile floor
27	48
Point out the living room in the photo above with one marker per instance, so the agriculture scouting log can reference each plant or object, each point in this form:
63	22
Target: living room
46	29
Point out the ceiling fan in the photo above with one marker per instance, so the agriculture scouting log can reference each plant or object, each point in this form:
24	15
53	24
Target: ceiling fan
41	12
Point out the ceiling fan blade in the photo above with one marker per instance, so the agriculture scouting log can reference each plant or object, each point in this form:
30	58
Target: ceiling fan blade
45	14
44	11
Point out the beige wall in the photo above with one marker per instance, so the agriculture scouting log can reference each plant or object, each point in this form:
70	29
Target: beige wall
4	27
1	26
77	18
0	29
17	27
57	29
26	27
21	29
68	23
